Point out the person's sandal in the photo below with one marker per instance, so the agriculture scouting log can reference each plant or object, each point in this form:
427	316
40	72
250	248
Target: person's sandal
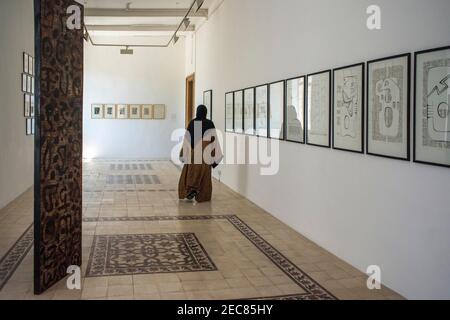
192	195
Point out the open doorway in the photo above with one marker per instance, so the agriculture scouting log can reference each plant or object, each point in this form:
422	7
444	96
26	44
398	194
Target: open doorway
190	98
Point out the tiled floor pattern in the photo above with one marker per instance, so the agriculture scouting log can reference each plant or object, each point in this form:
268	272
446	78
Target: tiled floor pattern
146	236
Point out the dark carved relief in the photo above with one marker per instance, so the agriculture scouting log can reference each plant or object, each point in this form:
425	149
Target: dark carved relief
58	214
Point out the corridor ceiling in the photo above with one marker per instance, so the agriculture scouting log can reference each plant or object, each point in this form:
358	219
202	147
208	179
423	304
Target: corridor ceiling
147	22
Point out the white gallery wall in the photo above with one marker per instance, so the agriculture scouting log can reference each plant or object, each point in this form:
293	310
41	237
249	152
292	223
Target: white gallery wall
150	76
16	149
364	209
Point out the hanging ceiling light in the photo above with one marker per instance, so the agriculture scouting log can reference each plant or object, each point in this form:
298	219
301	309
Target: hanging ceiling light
175	39
199	4
186	22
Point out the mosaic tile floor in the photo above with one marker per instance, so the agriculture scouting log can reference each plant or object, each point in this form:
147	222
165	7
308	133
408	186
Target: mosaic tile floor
141	242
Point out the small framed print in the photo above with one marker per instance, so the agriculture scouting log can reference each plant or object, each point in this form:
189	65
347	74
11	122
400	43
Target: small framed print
388	97
135	111
122	111
29	83
295	110
276	110
32	106
30	65
33	126
229	112
24	83
261	110
29	126
147	111
432	107
27	105
249	111
97	111
239	111
348	108
159	112
110	111
318	109
208	102
26	67
32	85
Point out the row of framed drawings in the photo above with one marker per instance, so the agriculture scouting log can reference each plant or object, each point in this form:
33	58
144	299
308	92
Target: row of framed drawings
28	83
128	111
315	110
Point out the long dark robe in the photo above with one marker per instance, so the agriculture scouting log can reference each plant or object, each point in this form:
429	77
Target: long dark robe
197	176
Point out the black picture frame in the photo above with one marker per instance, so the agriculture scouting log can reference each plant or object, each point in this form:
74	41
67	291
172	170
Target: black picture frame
267	111
408	107
24	83
283	110
230	130
253	92
239	130
25	63
30	65
208	103
303	107
26	105
328	146
28	126
416	54
363	106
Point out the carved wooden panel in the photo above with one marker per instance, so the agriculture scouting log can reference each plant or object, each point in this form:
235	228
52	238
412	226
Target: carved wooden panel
58	152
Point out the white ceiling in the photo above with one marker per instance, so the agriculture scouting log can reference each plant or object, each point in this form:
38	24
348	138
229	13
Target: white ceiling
144	37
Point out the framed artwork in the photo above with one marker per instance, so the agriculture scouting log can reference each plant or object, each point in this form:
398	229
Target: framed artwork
432	107
26	68
97	111
27	105
135	111
147	111
110	111
29	125
32	85
122	111
348	108
30	65
24	82
32	126
32	108
29	84
276	110
229	112
239	111
208	102
249	111
159	111
295	110
261	110
388	95
318	109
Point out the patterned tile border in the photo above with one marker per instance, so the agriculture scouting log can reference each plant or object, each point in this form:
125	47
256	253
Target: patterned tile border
313	290
12	259
131	254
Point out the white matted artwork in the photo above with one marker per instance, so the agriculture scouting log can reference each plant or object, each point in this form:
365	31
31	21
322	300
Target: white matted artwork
147	111
159	111
295	110
249	111
110	111
261	110
239	111
26	67
318	109
388	90
208	102
348	108
97	111
29	126
135	111
432	111
122	111
27	105
33	125
32	106
229	116
276	122
24	82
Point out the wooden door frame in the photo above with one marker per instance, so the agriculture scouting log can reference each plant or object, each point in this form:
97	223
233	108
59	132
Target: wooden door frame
190	109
